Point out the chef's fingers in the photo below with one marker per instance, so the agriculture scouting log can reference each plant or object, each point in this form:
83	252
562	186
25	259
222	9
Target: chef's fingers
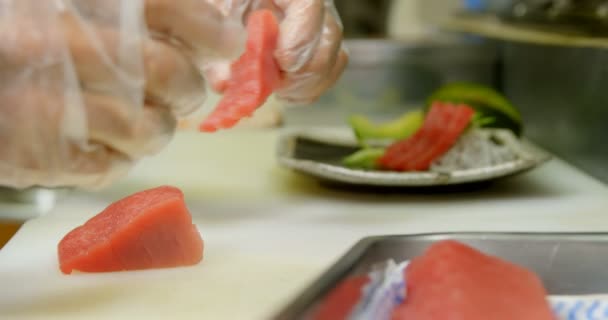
170	78
96	56
305	83
198	26
217	74
36	150
111	125
300	32
326	83
336	72
55	133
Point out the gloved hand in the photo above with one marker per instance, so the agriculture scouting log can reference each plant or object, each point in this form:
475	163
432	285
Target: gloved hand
91	86
310	50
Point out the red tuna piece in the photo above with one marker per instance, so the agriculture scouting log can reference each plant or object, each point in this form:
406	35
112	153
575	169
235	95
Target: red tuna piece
442	127
452	281
254	76
149	229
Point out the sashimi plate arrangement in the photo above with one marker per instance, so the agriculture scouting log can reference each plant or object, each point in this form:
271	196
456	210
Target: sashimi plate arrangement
466	133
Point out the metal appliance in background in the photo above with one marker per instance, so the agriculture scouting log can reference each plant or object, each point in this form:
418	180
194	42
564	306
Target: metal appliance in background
559	79
386	77
570	16
364	18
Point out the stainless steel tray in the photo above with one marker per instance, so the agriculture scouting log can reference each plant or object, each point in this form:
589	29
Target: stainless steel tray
318	152
567	263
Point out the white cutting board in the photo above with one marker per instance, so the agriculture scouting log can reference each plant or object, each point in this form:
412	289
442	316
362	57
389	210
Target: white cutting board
268	232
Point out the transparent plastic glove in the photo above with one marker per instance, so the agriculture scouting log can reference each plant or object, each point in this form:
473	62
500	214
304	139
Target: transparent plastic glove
88	87
310	50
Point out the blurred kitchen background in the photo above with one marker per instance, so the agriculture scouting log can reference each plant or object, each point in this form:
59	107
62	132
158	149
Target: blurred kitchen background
550	57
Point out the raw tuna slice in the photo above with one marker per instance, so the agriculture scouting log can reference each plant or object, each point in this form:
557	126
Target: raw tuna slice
452	281
254	76
341	301
442	127
400	154
458	122
149	229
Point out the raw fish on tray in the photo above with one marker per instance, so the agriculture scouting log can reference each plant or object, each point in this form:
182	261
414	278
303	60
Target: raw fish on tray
454	281
449	281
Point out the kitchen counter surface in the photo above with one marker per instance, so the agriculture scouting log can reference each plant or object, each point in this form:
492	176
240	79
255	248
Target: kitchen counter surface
268	232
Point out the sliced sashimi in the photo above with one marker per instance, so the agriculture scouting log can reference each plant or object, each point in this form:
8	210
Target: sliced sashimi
392	157
149	229
254	76
435	125
442	127
454	281
433	131
342	300
435	134
454	128
400	151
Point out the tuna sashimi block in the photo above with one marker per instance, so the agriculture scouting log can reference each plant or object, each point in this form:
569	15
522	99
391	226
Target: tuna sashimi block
452	281
254	76
149	229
